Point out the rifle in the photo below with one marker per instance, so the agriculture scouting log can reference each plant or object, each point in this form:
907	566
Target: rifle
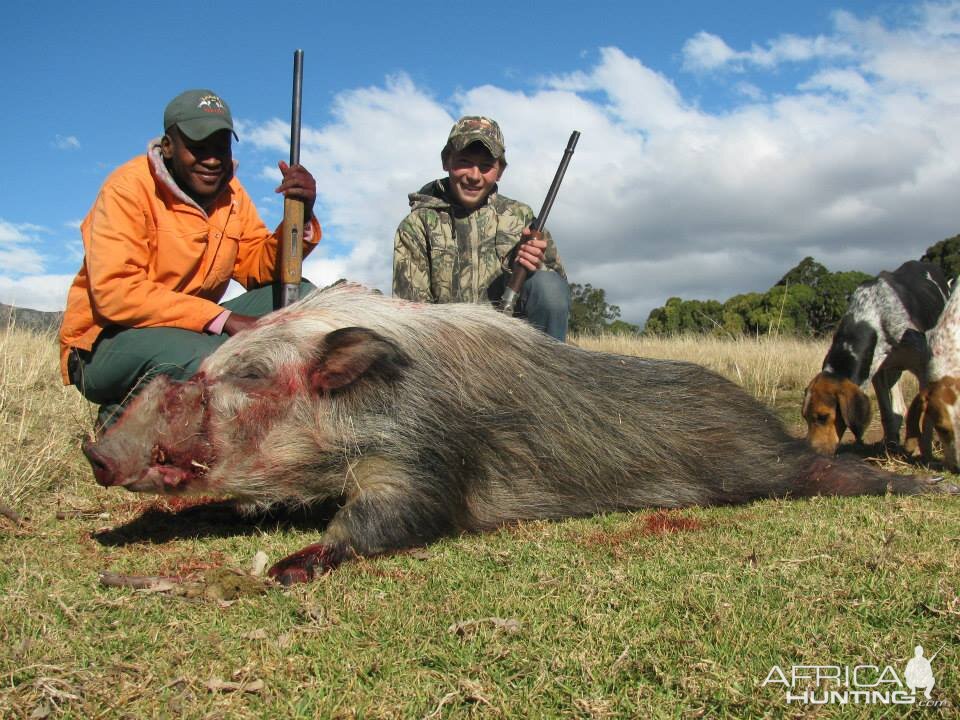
291	248
519	273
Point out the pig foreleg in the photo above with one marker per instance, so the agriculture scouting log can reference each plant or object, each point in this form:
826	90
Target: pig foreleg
304	564
382	517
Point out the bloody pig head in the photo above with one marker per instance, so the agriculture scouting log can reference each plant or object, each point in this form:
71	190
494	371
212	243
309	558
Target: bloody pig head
160	444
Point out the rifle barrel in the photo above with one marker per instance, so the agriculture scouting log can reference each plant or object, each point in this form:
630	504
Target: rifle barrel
541	219
295	113
291	249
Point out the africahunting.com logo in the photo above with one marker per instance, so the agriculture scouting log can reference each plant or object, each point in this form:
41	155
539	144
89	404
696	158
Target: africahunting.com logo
859	684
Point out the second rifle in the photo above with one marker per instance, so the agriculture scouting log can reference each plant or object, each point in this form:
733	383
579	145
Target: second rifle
519	274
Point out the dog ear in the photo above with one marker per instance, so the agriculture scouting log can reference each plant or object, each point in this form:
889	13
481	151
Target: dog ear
854	409
805	408
913	442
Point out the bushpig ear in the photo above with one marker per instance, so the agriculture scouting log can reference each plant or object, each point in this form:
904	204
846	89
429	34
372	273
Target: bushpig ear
854	408
348	354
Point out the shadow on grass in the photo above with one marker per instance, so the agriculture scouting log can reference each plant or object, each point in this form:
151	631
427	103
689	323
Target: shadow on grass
877	452
219	518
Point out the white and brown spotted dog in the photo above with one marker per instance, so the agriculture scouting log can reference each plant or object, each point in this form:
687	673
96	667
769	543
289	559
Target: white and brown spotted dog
936	408
882	333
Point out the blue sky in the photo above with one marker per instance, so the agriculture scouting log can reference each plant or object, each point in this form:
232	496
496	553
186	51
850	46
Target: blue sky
722	142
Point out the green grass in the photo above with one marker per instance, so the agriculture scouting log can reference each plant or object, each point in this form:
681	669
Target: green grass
587	618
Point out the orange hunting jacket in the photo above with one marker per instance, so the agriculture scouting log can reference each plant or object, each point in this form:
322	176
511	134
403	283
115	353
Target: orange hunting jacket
154	258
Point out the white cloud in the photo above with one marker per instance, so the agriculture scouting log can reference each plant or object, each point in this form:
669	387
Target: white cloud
24	281
705	51
383	143
858	165
17	247
38	292
66	142
708	52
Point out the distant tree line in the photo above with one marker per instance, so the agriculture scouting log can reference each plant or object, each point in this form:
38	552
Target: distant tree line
808	300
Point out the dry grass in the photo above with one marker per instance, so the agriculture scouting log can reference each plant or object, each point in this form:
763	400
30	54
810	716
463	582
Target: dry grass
774	369
624	615
765	366
41	421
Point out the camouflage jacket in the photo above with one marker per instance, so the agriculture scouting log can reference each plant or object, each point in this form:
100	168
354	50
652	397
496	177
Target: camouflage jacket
443	253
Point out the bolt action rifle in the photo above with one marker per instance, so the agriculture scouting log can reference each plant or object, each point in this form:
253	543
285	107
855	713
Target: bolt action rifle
291	247
519	273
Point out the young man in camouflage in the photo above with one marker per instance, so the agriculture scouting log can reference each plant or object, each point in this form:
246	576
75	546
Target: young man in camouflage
460	240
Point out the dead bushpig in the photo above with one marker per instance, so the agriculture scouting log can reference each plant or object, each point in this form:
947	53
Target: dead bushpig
428	420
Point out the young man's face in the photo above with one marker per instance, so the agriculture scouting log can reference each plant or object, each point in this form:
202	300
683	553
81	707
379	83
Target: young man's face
473	173
200	167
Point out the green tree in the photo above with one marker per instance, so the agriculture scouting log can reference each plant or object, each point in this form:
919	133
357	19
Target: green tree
679	316
807	272
590	312
946	254
783	309
807	300
832	298
833	290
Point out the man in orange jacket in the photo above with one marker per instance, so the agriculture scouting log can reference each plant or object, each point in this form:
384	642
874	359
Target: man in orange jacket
167	233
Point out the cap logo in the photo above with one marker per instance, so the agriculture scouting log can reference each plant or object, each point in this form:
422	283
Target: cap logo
211	104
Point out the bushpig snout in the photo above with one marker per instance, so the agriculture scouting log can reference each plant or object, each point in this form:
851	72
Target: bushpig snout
104	471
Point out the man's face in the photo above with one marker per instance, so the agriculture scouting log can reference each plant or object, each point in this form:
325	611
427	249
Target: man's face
473	173
200	167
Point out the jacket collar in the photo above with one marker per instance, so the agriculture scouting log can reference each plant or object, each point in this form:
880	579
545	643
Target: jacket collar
436	194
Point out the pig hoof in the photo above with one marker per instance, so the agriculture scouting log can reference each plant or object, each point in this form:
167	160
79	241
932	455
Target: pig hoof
291	576
935	485
304	564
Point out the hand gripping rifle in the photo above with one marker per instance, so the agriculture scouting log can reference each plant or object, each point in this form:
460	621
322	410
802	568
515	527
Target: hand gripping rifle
519	273
291	248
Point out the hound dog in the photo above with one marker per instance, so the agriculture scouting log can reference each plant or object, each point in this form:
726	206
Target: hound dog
936	408
881	334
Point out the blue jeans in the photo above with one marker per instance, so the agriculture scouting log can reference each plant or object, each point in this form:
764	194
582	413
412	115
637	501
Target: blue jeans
545	303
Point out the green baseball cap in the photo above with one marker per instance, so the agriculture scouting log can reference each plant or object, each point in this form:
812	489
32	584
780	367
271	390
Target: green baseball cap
198	114
476	128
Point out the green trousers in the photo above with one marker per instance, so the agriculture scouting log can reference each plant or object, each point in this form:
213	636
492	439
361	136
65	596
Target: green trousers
123	359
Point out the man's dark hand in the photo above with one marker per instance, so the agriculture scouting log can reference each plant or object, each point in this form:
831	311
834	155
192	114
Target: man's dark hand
236	322
298	184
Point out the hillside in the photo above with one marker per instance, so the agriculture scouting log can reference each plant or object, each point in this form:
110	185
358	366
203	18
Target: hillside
28	319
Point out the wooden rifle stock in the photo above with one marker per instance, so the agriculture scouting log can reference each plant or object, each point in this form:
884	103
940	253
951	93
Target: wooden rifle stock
291	247
519	273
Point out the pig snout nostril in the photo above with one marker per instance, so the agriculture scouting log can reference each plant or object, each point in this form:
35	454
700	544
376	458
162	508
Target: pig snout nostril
101	466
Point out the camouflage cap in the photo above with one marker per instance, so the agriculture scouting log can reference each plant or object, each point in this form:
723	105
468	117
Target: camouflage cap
476	128
198	114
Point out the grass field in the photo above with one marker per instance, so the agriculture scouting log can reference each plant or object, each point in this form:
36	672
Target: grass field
648	614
